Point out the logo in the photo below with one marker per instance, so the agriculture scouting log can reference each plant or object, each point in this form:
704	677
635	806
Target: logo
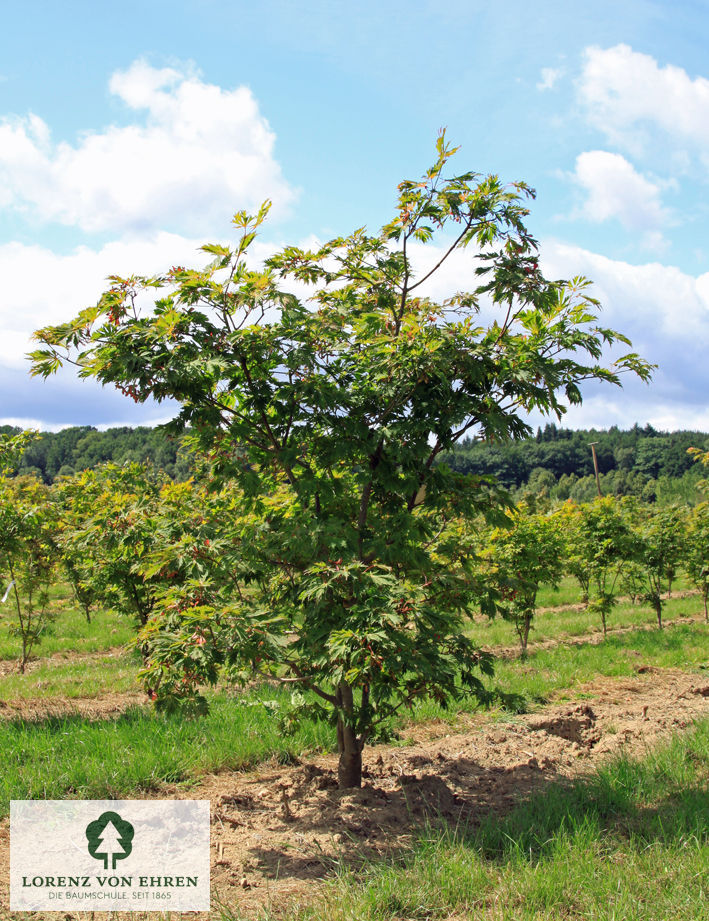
110	839
109	855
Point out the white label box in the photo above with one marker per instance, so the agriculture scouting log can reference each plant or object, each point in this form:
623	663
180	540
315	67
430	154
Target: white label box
109	855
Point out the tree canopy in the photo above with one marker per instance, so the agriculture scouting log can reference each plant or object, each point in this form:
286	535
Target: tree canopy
330	414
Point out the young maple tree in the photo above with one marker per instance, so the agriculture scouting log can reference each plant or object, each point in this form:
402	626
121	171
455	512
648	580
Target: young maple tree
28	560
659	543
331	415
696	559
599	547
523	555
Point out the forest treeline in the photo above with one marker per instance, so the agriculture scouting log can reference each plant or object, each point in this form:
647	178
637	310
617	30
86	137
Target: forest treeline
558	462
79	448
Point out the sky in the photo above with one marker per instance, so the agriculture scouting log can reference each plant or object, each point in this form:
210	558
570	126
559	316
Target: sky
131	132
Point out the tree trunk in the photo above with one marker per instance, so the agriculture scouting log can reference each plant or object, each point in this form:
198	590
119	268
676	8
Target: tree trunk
523	631
658	611
706	613
349	768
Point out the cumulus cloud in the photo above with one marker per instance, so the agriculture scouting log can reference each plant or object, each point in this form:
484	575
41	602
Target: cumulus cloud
549	78
629	97
665	312
77	281
614	189
199	153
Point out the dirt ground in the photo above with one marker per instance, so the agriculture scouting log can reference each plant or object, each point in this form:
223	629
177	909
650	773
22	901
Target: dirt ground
277	832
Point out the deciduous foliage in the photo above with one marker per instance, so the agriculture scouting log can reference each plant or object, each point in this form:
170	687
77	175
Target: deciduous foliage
696	554
659	536
331	416
523	556
27	560
599	545
114	522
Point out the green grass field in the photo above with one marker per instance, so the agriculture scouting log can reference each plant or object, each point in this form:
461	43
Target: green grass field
69	631
240	731
75	757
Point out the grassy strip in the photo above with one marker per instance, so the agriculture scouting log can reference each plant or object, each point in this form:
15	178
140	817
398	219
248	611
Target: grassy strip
69	632
548	672
630	842
550	625
106	674
73	756
103	758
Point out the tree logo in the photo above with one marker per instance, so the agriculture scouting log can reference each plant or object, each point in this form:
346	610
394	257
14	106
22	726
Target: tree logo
110	839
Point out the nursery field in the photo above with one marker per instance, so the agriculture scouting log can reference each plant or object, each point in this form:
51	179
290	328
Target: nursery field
580	791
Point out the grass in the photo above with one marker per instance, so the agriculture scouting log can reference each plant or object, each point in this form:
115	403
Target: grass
59	756
571	623
629	842
59	677
548	672
72	756
69	632
567	592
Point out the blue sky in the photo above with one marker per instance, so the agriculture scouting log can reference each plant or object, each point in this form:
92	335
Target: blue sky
129	133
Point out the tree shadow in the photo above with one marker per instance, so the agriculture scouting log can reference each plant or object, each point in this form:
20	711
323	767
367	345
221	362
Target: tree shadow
524	808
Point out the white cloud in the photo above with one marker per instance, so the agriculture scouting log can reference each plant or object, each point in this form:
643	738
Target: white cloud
614	189
664	310
656	301
200	154
79	278
549	78
626	93
77	281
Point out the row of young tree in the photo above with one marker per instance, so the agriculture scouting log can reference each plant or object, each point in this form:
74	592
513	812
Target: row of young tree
610	546
181	558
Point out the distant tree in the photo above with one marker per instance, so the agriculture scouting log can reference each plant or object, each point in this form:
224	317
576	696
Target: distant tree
659	541
696	556
599	546
27	559
523	556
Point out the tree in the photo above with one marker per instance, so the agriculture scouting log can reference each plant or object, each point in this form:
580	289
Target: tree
112	521
599	546
659	542
696	556
27	559
523	556
331	415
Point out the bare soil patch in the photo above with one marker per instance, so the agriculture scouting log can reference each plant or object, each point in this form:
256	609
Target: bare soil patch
58	659
98	707
277	832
